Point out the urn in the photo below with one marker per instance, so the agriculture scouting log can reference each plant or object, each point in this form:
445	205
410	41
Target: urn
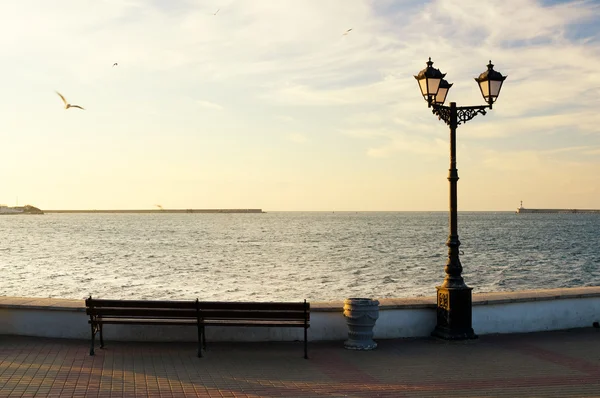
361	315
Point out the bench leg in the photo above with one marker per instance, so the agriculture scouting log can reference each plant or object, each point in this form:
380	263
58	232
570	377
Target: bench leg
199	342
305	345
93	338
203	338
101	338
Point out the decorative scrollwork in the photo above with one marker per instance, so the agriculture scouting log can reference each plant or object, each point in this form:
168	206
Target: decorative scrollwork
443	113
443	309
463	113
443	301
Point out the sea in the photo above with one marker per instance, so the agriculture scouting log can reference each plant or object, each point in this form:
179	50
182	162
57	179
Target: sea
290	256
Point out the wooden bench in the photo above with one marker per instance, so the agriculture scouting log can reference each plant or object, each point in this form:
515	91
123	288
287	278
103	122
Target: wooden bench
255	314
141	312
196	313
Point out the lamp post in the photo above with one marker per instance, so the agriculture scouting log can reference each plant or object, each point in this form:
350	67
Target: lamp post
454	320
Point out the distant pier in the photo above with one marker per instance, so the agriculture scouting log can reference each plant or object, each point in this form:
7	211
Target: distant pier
584	211
522	209
155	211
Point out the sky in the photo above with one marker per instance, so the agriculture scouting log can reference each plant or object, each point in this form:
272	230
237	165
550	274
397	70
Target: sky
267	104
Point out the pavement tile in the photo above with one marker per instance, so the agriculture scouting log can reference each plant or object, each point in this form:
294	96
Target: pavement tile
551	364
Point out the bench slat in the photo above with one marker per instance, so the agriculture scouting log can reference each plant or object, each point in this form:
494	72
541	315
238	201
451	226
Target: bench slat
140	303
242	305
132	321
141	312
223	322
237	314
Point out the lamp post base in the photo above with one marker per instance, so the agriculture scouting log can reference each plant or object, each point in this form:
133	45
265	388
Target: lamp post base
454	314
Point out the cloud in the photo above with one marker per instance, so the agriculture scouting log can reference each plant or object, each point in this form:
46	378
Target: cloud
285	118
296	137
209	105
547	159
394	142
432	148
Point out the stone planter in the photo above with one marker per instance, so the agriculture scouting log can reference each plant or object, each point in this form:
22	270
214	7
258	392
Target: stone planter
361	315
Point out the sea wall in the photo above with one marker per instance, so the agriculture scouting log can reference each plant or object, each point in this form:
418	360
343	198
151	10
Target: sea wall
558	211
506	312
159	211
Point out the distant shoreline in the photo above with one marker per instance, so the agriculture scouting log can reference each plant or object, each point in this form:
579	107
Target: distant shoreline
161	211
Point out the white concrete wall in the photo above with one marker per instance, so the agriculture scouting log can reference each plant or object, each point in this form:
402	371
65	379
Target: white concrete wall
44	323
73	324
414	322
534	316
514	312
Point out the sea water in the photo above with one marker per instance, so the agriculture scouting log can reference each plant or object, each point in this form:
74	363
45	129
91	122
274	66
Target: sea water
290	255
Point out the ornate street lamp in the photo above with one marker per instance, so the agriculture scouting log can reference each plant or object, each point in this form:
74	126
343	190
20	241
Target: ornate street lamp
454	309
440	96
429	81
490	83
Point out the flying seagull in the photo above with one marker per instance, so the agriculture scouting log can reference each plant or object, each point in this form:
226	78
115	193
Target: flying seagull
346	32
115	64
67	105
216	12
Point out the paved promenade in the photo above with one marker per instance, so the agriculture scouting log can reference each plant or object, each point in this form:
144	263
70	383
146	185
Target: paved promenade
565	363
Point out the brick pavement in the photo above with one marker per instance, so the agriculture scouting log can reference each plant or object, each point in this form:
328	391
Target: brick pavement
563	363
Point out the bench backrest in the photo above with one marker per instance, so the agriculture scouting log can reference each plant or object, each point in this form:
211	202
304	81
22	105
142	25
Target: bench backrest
240	310
142	308
254	311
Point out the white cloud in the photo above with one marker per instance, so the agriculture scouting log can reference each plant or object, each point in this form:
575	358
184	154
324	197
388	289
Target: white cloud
285	118
296	137
209	105
542	159
395	141
431	148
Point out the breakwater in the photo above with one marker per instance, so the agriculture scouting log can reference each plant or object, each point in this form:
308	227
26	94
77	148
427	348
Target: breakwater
522	209
170	211
558	211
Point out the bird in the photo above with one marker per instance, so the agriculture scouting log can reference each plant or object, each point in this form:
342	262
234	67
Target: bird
346	32
67	105
216	12
115	64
